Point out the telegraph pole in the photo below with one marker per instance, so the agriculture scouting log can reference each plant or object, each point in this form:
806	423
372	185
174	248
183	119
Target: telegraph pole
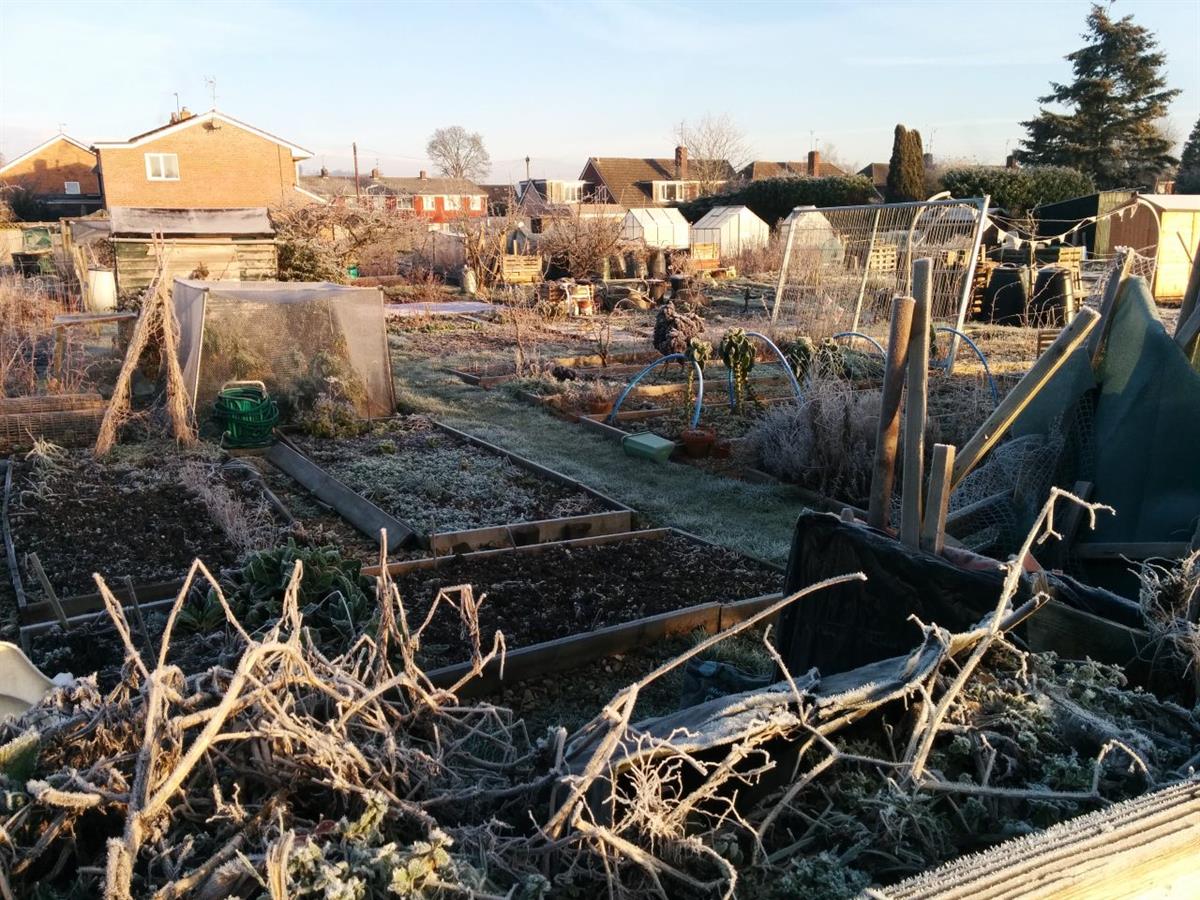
357	192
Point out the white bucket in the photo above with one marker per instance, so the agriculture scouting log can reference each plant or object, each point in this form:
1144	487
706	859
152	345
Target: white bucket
102	289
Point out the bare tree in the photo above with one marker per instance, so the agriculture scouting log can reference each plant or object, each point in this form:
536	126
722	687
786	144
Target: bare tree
581	243
459	153
716	149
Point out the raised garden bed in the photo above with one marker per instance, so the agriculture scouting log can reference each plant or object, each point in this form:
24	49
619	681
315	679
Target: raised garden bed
558	591
145	514
463	493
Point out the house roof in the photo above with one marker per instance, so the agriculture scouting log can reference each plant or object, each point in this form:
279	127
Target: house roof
212	115
877	172
628	179
244	221
762	168
343	185
42	146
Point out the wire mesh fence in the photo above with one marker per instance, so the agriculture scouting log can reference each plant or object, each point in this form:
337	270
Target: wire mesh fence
843	265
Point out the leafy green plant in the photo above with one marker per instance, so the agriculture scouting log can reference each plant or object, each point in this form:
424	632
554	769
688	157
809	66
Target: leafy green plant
738	353
698	351
799	354
200	615
336	599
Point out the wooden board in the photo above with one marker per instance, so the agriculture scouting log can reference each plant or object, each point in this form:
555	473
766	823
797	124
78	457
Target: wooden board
520	534
354	508
1076	634
1144	847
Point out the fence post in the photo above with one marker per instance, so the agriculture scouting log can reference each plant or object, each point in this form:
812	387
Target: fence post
883	476
915	404
783	270
862	287
968	283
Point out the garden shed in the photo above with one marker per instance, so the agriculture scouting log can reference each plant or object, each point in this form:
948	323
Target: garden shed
660	229
294	336
1167	228
732	228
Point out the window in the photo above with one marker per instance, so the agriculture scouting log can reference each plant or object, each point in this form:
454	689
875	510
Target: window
476	203
453	203
70	187
427	204
571	193
162	166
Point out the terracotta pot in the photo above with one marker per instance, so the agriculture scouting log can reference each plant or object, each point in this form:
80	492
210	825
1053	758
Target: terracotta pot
697	442
723	449
599	406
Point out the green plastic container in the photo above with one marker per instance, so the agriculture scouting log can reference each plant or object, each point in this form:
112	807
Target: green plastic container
648	445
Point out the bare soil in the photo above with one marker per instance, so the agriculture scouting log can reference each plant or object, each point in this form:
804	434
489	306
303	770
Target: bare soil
114	518
535	597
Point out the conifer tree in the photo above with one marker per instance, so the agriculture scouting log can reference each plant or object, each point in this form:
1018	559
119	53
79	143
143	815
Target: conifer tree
1188	179
1107	120
906	171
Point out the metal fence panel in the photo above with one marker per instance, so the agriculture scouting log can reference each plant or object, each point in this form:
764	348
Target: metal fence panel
843	265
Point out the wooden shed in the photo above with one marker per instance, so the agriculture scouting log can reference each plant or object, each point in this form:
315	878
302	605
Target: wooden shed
732	228
1054	219
658	228
1166	227
216	244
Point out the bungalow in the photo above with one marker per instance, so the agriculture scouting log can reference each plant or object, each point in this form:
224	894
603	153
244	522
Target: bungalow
814	167
878	173
439	200
58	178
634	183
205	161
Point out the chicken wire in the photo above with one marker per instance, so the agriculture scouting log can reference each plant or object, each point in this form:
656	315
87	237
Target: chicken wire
296	338
843	265
1100	270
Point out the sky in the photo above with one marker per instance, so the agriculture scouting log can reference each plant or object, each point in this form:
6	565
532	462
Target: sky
562	81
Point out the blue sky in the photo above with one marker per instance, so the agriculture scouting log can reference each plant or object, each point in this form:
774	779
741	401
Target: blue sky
561	81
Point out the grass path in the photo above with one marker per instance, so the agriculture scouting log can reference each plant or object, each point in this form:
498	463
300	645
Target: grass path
751	518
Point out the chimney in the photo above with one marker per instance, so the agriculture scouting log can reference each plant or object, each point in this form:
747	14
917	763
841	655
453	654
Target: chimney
681	172
185	113
1010	162
814	164
423	175
324	172
375	172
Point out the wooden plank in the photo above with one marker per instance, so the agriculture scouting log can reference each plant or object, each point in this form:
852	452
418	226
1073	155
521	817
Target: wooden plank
354	508
915	405
1076	634
41	614
433	562
933	528
1108	301
1068	519
887	437
1147	550
1002	417
1143	847
519	534
1189	308
10	550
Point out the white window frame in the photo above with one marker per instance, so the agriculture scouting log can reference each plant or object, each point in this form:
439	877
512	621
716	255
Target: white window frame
453	204
427	203
161	160
71	187
476	203
572	193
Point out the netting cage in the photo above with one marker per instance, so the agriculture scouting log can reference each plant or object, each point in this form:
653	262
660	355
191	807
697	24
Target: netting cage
300	339
843	265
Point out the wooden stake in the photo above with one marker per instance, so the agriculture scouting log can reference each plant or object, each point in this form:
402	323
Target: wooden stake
1002	417
887	438
40	574
916	401
141	620
1108	302
933	530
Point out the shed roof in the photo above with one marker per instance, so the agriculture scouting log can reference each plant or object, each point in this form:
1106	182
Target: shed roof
240	222
1173	202
658	216
718	215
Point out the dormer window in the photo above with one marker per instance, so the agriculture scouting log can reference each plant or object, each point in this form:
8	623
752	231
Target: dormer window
668	191
70	187
162	166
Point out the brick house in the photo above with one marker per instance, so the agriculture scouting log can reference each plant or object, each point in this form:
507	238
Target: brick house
634	183
59	175
813	167
439	200
205	161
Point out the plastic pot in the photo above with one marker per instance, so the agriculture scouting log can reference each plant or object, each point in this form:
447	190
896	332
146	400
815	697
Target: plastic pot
698	442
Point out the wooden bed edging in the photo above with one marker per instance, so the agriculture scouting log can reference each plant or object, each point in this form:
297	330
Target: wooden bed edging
10	548
405	566
350	505
40	616
575	650
522	534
